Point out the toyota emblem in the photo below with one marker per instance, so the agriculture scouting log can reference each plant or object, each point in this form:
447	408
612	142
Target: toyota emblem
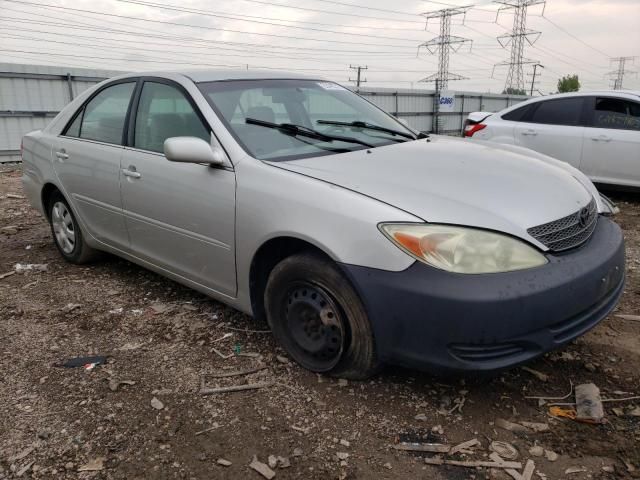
583	217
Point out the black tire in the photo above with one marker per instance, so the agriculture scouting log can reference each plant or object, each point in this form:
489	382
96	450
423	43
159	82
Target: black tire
318	318
77	251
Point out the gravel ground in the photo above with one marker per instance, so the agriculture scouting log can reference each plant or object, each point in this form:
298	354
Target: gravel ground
162	339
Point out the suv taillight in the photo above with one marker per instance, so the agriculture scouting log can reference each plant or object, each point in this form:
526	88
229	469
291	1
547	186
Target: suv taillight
469	130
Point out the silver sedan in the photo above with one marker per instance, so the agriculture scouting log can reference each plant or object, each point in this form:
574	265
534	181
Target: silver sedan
359	241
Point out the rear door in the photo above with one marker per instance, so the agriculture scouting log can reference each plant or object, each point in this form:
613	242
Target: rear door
180	216
611	151
86	159
554	127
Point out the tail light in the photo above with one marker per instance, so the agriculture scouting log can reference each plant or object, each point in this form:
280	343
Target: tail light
469	130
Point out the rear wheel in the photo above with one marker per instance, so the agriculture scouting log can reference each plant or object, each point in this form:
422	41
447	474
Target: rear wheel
318	318
66	232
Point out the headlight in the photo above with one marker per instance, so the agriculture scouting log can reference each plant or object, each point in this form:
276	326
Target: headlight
463	250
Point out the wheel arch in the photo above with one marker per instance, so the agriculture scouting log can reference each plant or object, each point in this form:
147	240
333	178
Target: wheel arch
267	256
48	189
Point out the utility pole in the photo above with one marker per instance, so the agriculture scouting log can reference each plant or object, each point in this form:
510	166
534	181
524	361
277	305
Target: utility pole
443	45
533	80
621	71
516	41
358	79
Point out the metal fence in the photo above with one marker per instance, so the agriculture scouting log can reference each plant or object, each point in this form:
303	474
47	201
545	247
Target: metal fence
416	107
31	95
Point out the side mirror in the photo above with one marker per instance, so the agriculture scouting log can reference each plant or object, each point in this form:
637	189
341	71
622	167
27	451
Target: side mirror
192	150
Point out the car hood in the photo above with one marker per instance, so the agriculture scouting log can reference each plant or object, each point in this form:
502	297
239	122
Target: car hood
448	180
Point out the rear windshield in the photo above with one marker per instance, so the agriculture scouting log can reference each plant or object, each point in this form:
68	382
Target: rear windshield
306	103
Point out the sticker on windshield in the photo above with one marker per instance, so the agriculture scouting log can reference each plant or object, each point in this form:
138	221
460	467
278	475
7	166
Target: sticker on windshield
330	86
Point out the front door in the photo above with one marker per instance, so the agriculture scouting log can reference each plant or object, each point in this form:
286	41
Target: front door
611	152
179	216
86	159
554	127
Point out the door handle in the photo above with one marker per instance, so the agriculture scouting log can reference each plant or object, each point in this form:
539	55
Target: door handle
62	154
131	172
532	133
601	138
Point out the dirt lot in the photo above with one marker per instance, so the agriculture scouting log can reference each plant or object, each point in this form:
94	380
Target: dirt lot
57	422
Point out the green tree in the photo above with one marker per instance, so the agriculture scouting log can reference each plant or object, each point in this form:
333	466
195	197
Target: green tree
570	83
513	91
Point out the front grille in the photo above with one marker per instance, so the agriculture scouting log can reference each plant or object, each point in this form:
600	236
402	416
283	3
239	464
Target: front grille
569	231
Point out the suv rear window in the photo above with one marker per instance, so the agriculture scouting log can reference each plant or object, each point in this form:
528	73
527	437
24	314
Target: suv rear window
562	111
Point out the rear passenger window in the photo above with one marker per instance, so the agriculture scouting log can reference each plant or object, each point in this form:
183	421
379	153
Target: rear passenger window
563	111
105	114
518	114
165	112
616	113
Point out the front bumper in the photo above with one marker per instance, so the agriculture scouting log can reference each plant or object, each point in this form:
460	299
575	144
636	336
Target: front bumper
445	322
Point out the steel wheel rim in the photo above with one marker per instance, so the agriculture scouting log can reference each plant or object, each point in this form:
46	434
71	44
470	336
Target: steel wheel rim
63	227
315	325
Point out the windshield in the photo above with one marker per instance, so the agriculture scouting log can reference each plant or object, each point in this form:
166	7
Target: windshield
324	108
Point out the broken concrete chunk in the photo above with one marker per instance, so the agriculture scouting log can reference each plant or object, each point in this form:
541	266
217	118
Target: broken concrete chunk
94	465
224	462
262	468
536	427
157	404
588	403
536	451
550	455
510	426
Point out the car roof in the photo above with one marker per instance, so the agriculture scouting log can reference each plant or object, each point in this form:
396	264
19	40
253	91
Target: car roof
590	93
212	75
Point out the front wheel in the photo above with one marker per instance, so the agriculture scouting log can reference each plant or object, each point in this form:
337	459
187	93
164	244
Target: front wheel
318	318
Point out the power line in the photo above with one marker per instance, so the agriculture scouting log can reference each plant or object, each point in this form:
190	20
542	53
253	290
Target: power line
574	37
200	27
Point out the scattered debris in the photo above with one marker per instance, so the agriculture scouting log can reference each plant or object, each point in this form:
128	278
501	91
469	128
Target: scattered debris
236	373
510	426
282	359
224	462
25	469
284	462
526	474
504	449
473	463
635	318
214	426
536	451
464	446
422	447
84	362
70	307
24	453
29	267
536	426
114	384
14	196
342	455
551	455
235	388
157	404
262	468
8	274
589	404
571	470
94	465
543	377
160	308
421	417
345	443
272	461
222	355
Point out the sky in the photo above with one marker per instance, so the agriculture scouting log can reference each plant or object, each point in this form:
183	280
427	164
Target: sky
323	38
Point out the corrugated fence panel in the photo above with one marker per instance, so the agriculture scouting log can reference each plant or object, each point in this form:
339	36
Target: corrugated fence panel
30	95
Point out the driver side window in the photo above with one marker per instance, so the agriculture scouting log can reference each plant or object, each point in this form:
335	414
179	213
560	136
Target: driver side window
164	112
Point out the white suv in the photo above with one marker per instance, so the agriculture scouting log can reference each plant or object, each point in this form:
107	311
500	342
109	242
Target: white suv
596	132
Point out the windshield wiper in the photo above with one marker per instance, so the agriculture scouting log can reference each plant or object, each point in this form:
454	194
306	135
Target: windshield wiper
301	130
368	126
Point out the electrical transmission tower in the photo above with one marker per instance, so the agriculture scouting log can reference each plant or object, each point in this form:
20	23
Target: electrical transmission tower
443	45
516	41
621	71
358	79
